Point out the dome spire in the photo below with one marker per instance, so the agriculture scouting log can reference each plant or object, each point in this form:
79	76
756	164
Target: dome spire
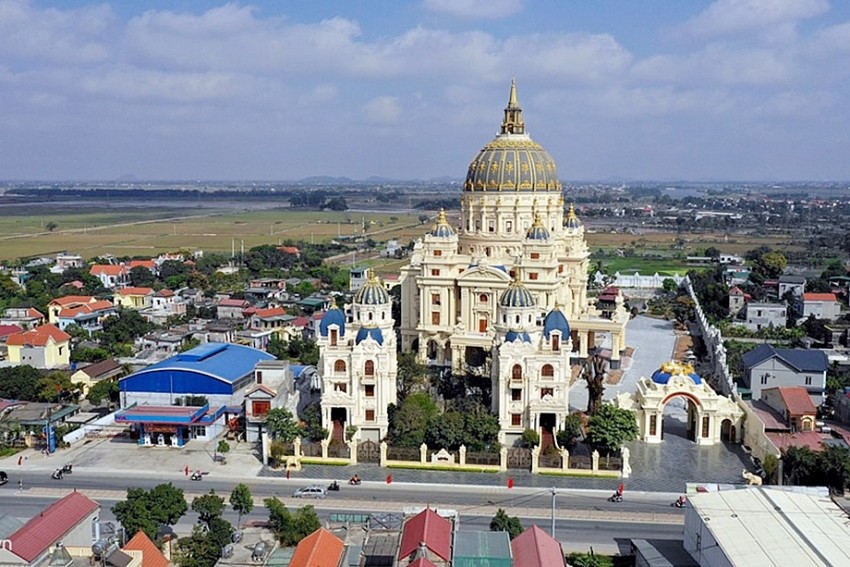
513	124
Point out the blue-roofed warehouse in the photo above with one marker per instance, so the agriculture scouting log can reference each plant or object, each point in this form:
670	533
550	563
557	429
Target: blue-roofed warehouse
219	372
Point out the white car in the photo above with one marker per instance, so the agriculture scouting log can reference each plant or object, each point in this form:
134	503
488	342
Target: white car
314	491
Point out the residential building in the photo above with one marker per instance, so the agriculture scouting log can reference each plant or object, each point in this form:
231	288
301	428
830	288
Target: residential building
766	315
768	525
24	317
427	535
278	385
737	300
88	316
65	261
794	284
112	276
134	297
232	308
91	374
47	538
151	555
357	363
767	367
474	297
535	548
147	264
794	404
319	549
45	346
356	278
164	304
821	305
67	302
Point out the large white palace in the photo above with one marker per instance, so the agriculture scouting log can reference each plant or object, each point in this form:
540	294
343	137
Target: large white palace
502	295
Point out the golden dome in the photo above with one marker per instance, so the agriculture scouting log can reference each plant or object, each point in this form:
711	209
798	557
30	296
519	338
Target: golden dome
512	161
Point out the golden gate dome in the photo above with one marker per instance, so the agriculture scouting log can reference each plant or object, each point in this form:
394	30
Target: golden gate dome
512	161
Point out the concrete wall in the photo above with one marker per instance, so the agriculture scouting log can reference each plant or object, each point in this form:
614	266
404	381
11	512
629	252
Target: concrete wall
754	436
713	339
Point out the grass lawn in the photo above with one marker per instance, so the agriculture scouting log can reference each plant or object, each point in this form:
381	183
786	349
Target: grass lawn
645	266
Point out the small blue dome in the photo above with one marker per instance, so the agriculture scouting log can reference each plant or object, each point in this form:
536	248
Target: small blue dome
572	220
442	228
674	368
372	292
334	316
511	336
517	295
556	321
537	230
366	332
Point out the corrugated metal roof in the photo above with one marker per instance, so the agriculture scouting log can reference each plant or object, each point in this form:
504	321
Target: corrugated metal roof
482	549
44	530
225	361
429	528
536	548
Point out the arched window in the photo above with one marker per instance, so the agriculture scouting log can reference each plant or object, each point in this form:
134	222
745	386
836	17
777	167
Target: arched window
548	371
516	372
369	368
339	365
483	298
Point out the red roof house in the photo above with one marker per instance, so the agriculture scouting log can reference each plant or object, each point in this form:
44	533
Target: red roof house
536	548
319	549
151	555
430	530
6	330
58	522
40	336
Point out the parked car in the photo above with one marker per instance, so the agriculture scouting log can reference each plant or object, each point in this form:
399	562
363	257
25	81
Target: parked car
314	491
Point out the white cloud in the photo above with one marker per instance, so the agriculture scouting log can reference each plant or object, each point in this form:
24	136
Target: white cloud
731	17
383	110
475	9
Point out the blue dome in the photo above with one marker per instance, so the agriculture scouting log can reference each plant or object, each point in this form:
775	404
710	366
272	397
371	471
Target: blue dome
442	228
556	321
373	332
334	316
372	292
514	335
674	368
537	230
572	220
517	295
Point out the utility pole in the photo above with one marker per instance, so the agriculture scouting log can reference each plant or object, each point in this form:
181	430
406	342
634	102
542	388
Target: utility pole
554	493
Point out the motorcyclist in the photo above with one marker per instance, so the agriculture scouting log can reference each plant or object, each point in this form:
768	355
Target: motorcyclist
334	486
57	474
354	480
681	501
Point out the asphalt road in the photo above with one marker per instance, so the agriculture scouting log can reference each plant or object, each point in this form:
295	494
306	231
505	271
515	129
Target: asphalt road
584	518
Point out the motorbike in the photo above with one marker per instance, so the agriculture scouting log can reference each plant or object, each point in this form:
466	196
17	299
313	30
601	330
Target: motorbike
197	475
333	487
354	482
679	503
616	497
57	474
67	468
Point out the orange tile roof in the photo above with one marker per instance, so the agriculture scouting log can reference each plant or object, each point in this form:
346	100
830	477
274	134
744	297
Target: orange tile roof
797	400
319	549
271	312
33	312
811	439
165	293
289	249
108	269
72	299
101	305
141	264
819	297
40	336
135	291
151	555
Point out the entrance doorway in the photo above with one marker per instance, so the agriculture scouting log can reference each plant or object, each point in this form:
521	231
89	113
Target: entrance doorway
338	418
680	418
547	430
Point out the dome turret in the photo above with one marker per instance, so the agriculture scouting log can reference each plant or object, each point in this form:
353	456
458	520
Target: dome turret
333	316
512	161
555	320
572	221
372	292
674	368
442	228
537	231
517	295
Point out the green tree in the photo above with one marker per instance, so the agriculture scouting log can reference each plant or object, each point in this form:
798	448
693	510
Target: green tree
412	376
20	383
223	446
445	431
103	390
611	427
54	386
800	465
277	348
190	344
88	354
124	328
311	419
51	226
530	438
771	467
282	426
409	421
241	501
501	522
148	510
203	547
140	276
208	506
571	432
669	285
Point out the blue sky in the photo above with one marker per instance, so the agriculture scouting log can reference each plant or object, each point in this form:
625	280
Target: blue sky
280	90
